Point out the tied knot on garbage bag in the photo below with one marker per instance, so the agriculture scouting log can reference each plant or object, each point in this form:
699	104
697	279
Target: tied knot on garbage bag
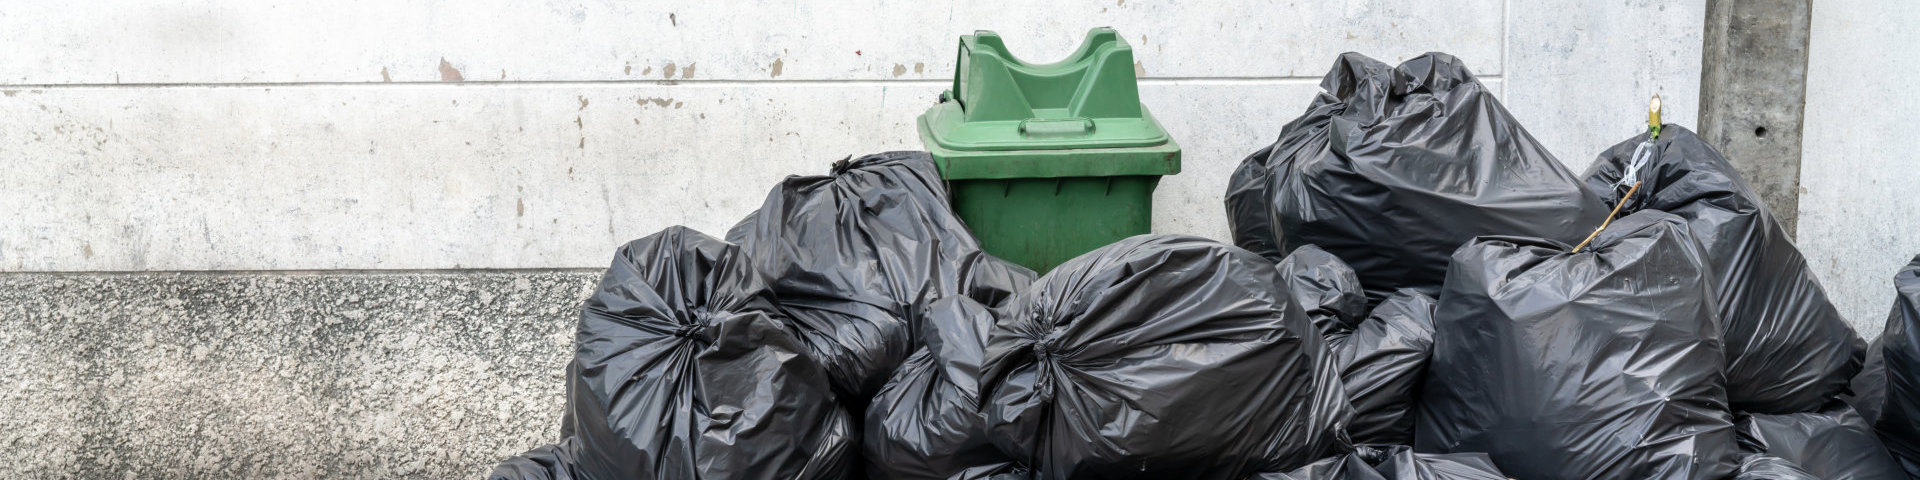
1043	351
695	332
841	166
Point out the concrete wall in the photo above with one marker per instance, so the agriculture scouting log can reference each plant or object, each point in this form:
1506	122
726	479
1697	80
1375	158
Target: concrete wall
281	374
254	135
260	138
1859	174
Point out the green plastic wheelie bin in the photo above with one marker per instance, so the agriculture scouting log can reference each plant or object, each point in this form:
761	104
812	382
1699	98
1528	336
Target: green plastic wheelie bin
1047	162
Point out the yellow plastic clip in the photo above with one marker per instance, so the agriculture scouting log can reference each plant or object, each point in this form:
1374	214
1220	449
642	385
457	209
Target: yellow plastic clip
1653	116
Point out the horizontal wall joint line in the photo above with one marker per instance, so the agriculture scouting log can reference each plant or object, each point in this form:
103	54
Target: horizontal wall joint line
628	83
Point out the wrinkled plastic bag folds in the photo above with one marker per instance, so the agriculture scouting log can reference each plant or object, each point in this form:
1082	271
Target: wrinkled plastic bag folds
926	423
1392	168
1161	356
1892	390
1381	356
1788	349
1835	444
1394	463
1382	363
1603	363
855	254
682	369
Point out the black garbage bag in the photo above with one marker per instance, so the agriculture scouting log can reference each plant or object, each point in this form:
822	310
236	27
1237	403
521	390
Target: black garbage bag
1370	462
1325	287
1867	392
1766	467
854	254
1161	356
1382	363
1392	168
1788	349
1603	363
1835	444
682	370
1899	384
926	423
546	462
1338	467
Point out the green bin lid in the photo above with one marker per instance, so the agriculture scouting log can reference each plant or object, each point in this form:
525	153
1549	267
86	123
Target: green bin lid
1001	107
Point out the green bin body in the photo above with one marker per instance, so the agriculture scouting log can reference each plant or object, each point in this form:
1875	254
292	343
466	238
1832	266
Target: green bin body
1047	162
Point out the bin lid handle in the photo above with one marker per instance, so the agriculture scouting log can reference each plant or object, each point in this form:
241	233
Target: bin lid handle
1056	127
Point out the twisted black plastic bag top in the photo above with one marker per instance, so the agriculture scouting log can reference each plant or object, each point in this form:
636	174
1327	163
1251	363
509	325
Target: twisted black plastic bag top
1161	356
682	370
1788	349
1382	363
1765	467
1394	463
1325	287
1899	422
926	423
1835	444
1600	364
1392	168
854	254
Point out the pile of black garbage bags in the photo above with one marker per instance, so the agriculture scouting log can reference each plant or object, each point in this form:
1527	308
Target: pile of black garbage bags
1417	290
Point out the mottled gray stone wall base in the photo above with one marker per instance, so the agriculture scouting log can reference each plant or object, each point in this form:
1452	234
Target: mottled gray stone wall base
281	375
1753	86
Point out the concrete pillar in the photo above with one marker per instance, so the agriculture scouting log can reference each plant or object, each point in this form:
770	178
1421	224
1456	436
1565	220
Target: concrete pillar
1753	83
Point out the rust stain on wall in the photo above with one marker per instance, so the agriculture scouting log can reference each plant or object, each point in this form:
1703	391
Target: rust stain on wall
448	73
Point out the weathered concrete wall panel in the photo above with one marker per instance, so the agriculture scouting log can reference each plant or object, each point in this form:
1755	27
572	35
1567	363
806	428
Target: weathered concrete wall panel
1859	173
348	177
1753	88
277	375
1580	72
127	41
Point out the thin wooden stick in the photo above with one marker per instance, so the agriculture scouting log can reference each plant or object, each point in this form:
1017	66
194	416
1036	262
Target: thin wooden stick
1609	220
